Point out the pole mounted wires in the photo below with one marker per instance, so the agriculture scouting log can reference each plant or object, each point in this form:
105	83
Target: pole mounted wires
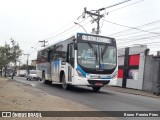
97	16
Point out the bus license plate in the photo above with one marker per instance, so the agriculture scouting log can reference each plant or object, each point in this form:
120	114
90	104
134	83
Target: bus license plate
99	84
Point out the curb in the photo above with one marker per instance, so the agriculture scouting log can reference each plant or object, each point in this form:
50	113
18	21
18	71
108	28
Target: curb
147	95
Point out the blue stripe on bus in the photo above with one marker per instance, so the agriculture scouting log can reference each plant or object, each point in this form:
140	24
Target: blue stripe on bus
55	63
81	70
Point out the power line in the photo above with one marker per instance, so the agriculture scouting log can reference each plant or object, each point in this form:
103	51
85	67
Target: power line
148	44
113	5
131	38
65	33
135	40
147	38
144	25
36	44
60	33
135	28
132	42
57	35
126	6
64	30
137	32
62	27
98	10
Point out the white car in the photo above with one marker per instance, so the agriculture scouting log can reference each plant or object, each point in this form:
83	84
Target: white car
32	75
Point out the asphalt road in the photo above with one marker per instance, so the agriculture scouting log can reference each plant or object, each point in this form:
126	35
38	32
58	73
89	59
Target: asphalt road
104	100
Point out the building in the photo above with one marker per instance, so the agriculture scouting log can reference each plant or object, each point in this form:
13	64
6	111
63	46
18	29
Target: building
33	62
137	69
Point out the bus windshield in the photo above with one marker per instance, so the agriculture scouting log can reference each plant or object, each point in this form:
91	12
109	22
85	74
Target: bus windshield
97	55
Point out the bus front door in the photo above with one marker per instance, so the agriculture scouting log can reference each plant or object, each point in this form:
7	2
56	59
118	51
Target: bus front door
70	61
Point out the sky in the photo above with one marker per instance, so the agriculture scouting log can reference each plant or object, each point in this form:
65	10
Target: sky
29	21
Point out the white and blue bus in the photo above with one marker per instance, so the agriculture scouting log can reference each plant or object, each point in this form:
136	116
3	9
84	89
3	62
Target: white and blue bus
82	60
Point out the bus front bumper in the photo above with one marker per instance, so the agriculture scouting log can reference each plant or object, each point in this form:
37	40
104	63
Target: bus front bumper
90	82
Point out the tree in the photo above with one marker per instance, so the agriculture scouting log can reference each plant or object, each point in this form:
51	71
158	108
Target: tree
5	56
16	52
9	54
23	67
2	56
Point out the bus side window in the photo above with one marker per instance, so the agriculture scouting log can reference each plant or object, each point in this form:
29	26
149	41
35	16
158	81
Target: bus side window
50	55
71	54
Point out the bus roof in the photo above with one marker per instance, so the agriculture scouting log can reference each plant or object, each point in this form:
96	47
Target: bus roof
73	36
54	43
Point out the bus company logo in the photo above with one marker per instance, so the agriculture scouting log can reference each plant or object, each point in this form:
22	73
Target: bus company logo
6	114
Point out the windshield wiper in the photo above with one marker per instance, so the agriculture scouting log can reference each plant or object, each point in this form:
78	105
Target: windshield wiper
103	52
95	51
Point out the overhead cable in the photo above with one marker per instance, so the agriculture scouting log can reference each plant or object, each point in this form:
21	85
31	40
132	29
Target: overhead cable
131	27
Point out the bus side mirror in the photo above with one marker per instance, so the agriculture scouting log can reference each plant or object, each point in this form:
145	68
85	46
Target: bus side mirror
63	62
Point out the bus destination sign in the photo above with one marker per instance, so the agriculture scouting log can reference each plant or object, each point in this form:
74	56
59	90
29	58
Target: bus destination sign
94	38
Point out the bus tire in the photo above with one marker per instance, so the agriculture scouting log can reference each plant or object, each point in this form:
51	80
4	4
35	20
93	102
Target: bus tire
96	89
64	84
43	78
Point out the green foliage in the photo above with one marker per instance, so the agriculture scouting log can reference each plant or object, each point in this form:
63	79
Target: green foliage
9	54
23	67
5	55
16	52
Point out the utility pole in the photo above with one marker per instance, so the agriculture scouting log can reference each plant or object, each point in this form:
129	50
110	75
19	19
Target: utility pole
97	16
97	19
27	63
44	43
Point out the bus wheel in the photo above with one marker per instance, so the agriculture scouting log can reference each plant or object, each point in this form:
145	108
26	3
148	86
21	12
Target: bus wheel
43	78
96	89
64	84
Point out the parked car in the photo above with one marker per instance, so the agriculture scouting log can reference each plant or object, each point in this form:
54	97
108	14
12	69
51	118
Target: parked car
22	73
32	75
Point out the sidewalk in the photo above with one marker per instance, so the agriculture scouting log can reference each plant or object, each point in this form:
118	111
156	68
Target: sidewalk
15	96
132	91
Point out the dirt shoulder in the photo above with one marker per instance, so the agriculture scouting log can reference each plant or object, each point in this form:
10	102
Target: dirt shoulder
16	96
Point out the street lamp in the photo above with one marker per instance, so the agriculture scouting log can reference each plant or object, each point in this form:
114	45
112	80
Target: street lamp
80	26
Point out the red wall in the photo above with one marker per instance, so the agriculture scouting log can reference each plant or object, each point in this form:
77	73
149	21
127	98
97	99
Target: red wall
120	73
134	59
